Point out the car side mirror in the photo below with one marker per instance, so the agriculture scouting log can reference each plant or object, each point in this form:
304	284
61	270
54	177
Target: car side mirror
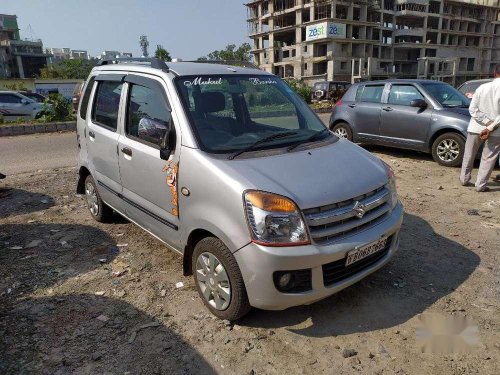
418	103
165	143
25	101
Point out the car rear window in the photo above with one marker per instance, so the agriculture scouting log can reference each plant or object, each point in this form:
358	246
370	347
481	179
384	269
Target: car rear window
86	97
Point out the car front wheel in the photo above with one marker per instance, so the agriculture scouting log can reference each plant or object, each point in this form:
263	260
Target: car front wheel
218	280
448	149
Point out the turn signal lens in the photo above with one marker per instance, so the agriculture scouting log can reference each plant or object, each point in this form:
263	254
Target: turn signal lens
270	202
274	220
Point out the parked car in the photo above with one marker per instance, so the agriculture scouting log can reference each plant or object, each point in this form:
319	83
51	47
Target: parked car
469	88
14	105
39	98
229	168
328	90
422	115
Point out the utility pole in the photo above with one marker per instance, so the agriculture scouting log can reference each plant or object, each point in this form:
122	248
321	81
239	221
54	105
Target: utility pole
143	41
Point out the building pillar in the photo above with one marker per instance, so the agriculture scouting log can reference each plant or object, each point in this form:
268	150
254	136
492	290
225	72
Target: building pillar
20	67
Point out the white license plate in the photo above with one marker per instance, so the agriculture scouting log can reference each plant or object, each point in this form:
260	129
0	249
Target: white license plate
367	250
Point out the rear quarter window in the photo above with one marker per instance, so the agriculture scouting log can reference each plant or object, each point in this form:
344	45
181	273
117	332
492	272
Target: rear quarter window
86	97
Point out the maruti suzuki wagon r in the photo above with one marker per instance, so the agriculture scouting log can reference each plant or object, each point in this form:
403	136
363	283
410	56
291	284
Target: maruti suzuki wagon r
231	169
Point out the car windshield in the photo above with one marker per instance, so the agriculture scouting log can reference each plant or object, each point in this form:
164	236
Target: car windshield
232	113
446	95
321	86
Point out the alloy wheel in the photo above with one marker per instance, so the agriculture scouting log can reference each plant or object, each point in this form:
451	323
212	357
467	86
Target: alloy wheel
448	150
341	132
213	281
92	200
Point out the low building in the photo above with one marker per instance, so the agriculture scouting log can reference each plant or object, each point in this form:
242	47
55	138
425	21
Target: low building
314	40
19	58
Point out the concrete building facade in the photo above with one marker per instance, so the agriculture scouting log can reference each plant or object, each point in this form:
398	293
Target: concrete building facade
19	58
315	40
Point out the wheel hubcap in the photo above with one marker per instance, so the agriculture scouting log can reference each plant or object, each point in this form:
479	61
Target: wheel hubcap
448	150
341	132
213	281
92	201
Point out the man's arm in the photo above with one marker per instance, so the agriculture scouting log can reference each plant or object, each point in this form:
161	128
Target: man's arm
475	112
493	126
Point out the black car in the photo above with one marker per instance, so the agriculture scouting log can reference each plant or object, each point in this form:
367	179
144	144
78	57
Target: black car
423	115
328	90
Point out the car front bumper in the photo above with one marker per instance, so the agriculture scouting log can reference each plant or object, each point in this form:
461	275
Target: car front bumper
258	264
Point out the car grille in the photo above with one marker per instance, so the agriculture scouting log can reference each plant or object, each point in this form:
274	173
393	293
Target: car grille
334	221
337	271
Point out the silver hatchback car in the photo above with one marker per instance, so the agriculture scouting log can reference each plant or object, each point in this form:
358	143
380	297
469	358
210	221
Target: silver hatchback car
228	167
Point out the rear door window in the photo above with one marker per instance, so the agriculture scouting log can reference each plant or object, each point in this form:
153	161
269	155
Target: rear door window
370	93
106	104
10	99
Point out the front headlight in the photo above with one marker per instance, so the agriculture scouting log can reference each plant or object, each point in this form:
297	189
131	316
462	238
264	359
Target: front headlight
391	185
274	220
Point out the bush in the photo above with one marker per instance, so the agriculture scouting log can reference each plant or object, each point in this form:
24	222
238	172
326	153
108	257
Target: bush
301	89
2	120
57	108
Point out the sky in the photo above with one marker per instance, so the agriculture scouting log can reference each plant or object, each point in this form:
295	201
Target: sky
188	29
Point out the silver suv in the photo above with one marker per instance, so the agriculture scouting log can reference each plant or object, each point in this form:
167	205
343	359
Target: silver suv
228	167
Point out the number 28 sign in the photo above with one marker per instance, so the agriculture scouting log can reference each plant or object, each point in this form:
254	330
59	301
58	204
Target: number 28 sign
325	30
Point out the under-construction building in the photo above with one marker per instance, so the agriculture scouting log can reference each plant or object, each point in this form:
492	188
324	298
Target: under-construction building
315	40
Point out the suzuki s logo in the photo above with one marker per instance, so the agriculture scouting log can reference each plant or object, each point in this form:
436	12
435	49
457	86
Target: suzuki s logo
359	210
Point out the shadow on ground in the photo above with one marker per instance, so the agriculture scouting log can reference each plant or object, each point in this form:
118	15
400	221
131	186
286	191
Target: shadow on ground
45	332
427	267
15	202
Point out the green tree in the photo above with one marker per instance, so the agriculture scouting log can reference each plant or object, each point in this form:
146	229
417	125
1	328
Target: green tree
68	69
162	53
231	53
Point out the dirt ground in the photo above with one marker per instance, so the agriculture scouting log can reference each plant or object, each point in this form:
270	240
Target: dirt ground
64	309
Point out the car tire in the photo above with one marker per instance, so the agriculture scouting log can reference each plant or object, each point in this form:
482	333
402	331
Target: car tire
448	149
98	209
218	280
342	130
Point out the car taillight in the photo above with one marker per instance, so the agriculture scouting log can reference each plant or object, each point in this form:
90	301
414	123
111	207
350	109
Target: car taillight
338	103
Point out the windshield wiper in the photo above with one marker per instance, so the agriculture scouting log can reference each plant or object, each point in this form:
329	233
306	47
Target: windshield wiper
269	138
307	140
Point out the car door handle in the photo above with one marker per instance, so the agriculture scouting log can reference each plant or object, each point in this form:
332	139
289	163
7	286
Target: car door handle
387	109
127	151
352	105
91	134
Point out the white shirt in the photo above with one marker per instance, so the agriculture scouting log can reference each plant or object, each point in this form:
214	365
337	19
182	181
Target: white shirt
485	107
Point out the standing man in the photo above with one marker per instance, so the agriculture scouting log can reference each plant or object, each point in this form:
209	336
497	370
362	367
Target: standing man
483	126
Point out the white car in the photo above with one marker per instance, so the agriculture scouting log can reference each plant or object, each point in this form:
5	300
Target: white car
14	105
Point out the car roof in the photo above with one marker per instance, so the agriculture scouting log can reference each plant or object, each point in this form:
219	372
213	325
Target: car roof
478	81
184	68
402	80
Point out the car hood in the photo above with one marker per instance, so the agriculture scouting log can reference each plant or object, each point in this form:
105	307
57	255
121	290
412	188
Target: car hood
312	177
460	111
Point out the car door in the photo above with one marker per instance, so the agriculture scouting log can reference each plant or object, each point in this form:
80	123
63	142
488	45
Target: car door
367	111
400	123
149	183
12	105
102	137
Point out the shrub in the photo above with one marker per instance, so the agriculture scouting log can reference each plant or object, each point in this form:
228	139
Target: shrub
57	108
301	89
